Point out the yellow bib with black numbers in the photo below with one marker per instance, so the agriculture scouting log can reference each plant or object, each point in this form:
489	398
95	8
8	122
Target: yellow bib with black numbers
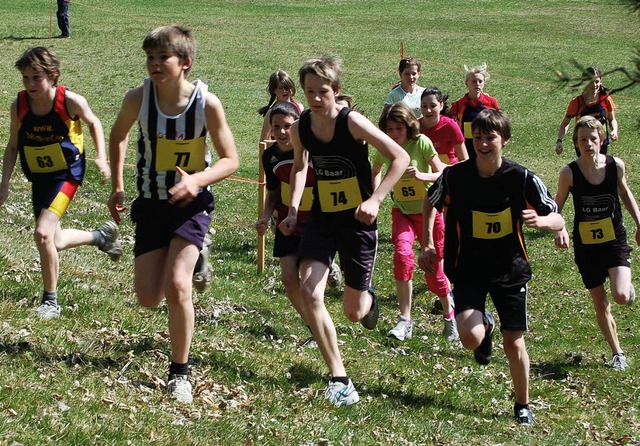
305	202
187	154
408	189
339	195
491	226
45	159
595	232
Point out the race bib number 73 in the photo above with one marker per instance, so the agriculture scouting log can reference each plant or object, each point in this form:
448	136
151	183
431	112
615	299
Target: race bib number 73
595	232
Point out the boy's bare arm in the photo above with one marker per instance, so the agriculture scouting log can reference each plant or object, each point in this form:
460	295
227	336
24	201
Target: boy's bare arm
118	148
10	154
223	142
297	180
78	106
627	197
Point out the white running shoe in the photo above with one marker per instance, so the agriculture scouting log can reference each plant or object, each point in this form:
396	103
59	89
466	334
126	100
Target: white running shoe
403	330
340	394
180	388
335	276
450	330
48	311
619	362
111	244
203	273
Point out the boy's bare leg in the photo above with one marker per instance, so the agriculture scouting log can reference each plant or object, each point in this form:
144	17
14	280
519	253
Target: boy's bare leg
181	260
604	317
356	304
44	235
516	352
620	283
471	328
291	283
313	282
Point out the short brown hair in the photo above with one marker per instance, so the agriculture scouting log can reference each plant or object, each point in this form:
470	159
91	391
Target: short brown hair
41	58
489	120
326	67
400	112
174	38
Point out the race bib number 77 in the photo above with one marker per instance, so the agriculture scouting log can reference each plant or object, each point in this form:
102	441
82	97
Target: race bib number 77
187	154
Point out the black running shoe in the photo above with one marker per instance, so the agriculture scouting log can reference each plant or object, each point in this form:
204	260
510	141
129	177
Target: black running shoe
524	416
483	352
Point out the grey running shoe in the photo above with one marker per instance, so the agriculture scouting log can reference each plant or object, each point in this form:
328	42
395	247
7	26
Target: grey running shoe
48	310
180	388
619	362
203	272
524	417
111	244
335	275
483	352
403	330
450	330
370	320
340	394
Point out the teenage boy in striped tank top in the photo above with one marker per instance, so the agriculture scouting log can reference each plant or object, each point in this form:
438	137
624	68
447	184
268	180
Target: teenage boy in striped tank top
174	171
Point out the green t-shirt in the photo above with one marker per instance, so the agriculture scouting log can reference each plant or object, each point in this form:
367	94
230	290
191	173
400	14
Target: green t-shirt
408	193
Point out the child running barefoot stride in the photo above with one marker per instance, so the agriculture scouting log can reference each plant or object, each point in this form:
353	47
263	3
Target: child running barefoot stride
46	132
597	183
487	200
344	210
175	169
425	167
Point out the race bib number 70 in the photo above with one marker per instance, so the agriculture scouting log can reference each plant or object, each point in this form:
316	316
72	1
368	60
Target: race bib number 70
491	226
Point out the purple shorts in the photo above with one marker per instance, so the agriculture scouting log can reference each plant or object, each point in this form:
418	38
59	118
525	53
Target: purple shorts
158	222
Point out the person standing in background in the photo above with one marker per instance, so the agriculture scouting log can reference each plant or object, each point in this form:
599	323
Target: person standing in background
63	19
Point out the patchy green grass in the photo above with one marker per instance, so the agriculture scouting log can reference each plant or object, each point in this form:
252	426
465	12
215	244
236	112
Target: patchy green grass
95	376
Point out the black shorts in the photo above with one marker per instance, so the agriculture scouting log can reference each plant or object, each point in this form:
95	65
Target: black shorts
510	301
158	222
357	247
594	262
285	245
53	195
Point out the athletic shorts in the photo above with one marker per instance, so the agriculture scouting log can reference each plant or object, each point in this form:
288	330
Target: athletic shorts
510	301
285	245
357	247
54	196
594	263
158	222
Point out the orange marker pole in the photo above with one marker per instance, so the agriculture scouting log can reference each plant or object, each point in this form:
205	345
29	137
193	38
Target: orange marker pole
261	200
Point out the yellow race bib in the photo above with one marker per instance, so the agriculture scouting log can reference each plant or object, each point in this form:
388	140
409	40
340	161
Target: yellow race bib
595	232
339	195
408	189
491	226
467	130
444	158
305	202
187	154
45	159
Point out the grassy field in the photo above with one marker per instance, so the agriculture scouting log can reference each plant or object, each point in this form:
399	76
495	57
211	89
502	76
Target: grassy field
95	375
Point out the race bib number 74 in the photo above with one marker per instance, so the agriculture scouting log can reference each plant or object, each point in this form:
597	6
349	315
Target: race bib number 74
339	195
